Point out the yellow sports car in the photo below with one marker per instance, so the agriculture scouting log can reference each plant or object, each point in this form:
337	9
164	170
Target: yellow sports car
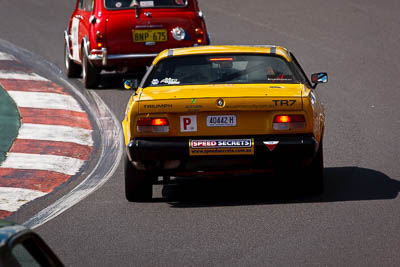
223	109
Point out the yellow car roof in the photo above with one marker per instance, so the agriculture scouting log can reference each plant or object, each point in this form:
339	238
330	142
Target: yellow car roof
222	49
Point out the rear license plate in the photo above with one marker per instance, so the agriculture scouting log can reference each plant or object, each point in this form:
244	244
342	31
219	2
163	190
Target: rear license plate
142	36
221	121
211	147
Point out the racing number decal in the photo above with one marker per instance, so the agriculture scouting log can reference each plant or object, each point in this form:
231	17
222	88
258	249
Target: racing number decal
188	123
75	38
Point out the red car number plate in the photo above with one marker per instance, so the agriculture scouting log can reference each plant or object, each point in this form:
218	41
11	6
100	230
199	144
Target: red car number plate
142	36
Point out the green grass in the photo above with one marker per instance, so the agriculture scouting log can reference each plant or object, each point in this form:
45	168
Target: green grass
9	123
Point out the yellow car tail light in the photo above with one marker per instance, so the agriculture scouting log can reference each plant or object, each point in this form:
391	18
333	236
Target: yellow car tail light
289	122
152	125
160	122
281	119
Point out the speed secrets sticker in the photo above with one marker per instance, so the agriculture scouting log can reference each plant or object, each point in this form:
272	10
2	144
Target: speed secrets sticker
221	147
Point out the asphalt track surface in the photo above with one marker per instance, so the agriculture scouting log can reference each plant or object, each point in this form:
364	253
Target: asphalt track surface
356	222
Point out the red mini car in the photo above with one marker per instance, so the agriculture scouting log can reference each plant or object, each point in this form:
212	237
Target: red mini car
126	35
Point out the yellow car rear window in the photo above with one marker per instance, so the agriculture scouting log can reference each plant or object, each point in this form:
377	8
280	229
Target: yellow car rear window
209	69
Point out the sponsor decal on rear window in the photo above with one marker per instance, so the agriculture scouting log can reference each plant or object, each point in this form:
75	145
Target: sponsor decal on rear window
279	78
170	81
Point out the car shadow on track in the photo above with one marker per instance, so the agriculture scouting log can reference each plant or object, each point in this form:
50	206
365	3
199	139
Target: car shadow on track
341	184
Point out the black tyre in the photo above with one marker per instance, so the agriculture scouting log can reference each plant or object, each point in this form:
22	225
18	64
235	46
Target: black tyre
72	69
90	74
314	174
138	184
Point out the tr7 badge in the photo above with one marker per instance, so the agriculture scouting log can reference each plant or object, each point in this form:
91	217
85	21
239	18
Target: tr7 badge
289	102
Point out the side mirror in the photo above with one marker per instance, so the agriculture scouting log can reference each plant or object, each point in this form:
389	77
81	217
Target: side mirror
131	84
321	77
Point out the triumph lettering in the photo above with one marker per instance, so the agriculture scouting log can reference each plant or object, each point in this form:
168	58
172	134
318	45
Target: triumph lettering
158	106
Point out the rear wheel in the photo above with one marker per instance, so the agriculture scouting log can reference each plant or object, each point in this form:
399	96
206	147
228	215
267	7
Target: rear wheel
72	69
314	174
90	74
138	183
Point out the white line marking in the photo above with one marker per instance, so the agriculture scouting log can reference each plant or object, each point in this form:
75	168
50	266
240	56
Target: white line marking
11	199
55	133
111	144
111	154
21	76
44	100
5	56
53	163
